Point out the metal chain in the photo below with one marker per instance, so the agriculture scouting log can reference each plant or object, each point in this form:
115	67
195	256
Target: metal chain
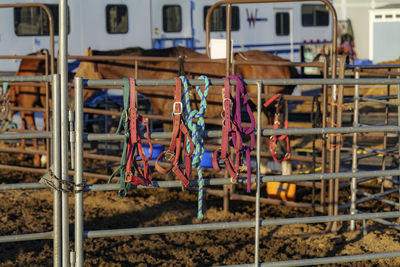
50	178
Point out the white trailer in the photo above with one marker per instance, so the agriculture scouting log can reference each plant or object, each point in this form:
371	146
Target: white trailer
279	28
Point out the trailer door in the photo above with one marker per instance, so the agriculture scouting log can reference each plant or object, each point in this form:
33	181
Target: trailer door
283	37
172	23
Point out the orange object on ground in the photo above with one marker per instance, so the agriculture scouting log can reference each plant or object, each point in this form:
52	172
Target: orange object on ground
282	191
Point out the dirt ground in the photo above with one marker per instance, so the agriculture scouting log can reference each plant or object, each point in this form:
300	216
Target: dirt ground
30	211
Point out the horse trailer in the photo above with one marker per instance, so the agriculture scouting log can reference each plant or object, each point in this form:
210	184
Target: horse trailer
278	28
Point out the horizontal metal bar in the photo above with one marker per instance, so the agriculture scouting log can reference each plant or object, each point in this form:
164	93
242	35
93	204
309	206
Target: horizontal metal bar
26	237
43	78
155	135
383	66
168	229
22	186
283	82
380	198
333	130
364	199
379	101
32	135
22	169
327	176
263	179
387	223
219	181
232	225
265	132
329	260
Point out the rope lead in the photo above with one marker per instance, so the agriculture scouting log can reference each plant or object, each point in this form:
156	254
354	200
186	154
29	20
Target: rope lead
196	130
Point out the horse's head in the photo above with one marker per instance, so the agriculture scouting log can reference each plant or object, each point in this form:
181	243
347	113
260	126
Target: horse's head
33	66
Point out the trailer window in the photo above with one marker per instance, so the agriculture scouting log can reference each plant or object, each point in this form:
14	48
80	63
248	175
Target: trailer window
314	15
172	18
33	21
218	18
282	23
117	18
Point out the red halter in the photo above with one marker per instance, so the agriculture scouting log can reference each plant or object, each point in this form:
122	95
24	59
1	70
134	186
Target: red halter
179	130
227	127
142	176
277	125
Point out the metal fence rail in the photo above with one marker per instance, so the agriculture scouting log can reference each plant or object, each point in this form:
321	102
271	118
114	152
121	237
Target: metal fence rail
81	233
54	136
60	171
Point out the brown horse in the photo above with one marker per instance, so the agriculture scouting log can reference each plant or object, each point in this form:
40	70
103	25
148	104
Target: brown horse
29	97
166	70
162	103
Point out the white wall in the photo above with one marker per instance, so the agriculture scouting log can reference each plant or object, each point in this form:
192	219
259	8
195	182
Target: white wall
357	12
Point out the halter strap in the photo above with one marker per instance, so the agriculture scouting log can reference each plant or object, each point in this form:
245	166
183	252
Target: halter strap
232	125
179	130
129	121
143	176
242	100
273	142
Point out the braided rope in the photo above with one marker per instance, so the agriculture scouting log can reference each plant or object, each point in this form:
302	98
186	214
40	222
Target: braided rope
196	130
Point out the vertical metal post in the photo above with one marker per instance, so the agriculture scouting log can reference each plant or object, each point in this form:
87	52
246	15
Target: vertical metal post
71	137
398	124
353	185
331	144
339	138
79	171
324	136
385	135
56	161
47	112
258	155
63	70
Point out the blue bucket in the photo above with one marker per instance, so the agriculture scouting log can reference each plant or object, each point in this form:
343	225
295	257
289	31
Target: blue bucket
361	62
206	161
157	149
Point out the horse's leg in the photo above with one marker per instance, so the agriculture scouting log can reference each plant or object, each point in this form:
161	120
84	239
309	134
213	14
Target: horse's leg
29	120
23	127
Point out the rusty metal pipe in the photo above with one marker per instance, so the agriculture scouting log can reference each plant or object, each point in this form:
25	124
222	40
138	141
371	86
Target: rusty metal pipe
228	29
51	26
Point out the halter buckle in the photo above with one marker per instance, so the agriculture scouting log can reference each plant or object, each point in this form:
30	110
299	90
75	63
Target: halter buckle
234	180
168	155
174	108
223	102
125	112
135	109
